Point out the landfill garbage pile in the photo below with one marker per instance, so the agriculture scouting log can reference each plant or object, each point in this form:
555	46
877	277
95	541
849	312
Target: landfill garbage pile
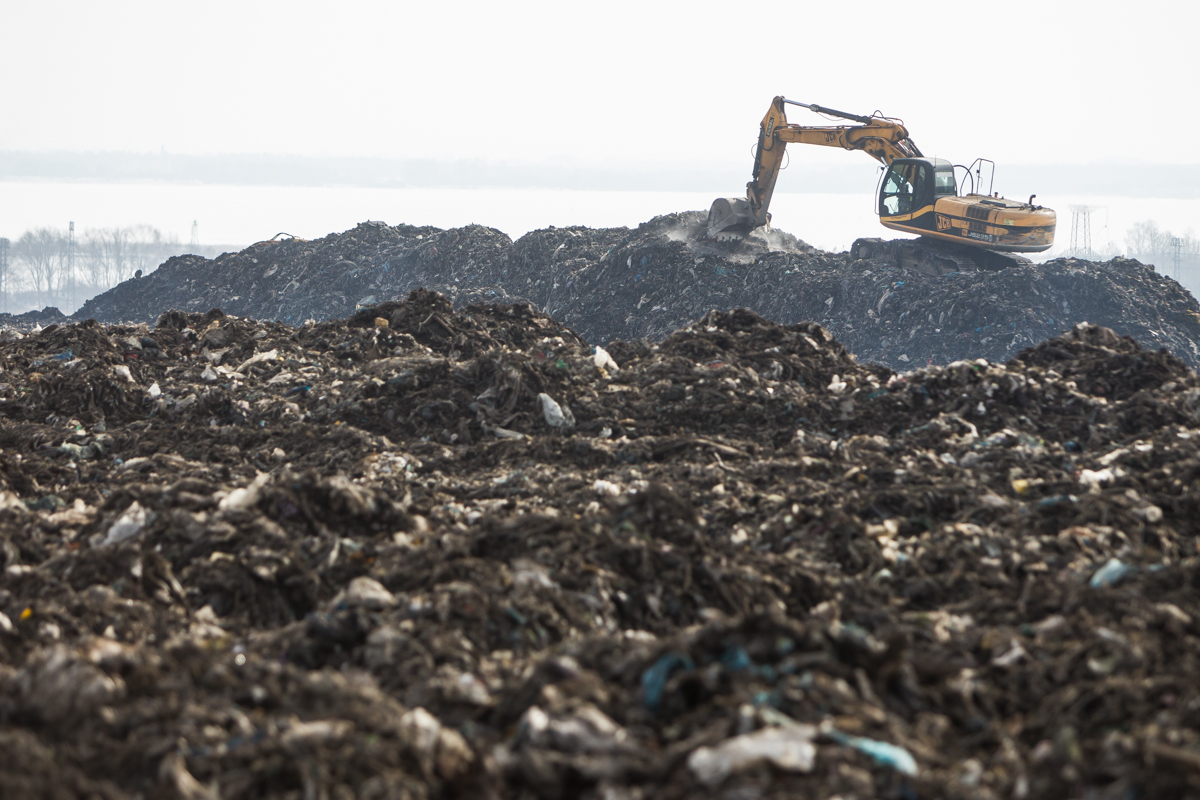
31	320
293	280
618	283
432	553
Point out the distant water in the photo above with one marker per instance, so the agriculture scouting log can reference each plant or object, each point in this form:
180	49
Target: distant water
241	215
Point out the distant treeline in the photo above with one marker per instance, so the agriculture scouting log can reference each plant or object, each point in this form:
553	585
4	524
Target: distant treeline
55	267
1144	241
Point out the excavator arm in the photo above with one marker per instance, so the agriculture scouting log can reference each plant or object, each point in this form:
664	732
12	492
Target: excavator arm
879	137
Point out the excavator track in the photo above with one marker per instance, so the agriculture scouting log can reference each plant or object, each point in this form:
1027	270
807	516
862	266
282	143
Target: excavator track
933	257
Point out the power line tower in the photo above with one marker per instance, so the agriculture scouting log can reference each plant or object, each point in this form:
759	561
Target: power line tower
1176	256
71	266
1081	232
195	234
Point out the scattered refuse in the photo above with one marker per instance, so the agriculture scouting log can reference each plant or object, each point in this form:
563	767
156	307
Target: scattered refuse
787	748
556	416
128	525
889	755
1113	572
355	559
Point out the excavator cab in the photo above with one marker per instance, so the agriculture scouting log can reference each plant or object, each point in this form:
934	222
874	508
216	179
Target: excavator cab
910	188
920	195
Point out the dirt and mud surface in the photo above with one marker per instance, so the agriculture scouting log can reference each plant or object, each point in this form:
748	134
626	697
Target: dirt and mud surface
647	282
428	552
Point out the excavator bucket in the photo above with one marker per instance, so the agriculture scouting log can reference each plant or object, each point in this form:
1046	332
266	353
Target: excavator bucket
730	218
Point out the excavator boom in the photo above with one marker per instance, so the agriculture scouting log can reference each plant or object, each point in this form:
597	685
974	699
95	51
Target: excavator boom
879	137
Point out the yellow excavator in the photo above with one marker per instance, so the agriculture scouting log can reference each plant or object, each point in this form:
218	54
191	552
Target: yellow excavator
958	231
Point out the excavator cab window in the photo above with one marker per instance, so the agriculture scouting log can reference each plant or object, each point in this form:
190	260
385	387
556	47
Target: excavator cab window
944	183
896	196
904	188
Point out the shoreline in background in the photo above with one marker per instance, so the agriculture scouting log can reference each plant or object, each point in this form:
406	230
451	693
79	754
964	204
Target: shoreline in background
821	172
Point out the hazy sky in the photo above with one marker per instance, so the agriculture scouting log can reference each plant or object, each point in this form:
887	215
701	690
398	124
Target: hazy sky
595	83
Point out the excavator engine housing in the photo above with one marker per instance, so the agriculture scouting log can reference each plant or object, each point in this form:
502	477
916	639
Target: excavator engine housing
919	195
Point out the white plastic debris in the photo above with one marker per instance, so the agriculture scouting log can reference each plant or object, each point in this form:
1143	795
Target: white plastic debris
604	361
602	486
1174	612
468	689
128	525
1013	656
436	748
258	358
319	731
246	496
556	416
1094	479
369	593
154	391
60	683
837	385
787	748
123	371
208	376
585	729
1150	513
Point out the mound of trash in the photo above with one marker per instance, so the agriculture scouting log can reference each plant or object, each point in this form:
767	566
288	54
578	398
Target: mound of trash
32	320
436	553
618	283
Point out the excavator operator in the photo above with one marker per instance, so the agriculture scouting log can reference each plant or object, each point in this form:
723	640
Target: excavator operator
897	195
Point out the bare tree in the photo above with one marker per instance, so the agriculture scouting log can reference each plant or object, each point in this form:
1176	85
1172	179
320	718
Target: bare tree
113	255
92	259
149	249
113	251
1146	242
43	254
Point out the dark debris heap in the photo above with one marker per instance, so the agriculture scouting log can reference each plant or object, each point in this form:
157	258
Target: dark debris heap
437	553
618	283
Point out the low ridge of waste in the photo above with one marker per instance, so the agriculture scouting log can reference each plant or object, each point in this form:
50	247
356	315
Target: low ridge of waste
647	282
434	553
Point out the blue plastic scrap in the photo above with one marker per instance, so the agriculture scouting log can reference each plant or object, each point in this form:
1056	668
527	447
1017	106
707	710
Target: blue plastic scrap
654	679
1111	574
888	755
736	659
1057	500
